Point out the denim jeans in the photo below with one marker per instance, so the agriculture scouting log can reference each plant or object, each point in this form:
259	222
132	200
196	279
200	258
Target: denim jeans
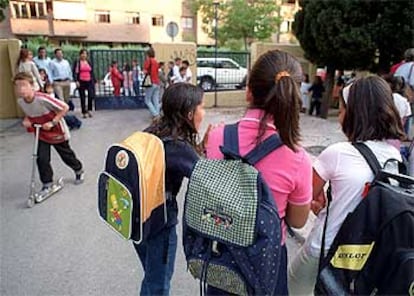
152	99
157	256
136	85
281	287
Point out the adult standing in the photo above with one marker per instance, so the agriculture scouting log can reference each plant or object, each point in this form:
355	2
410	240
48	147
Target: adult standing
42	61
406	70
85	80
152	93
25	64
62	75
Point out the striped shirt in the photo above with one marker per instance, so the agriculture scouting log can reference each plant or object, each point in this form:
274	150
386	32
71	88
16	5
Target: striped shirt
43	109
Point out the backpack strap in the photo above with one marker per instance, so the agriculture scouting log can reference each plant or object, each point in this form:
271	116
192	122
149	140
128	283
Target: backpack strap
375	166
231	136
369	156
260	151
230	149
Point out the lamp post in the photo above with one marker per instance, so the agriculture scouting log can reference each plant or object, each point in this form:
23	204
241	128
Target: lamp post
216	4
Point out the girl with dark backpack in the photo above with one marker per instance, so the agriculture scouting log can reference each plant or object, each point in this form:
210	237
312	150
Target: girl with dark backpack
274	105
368	115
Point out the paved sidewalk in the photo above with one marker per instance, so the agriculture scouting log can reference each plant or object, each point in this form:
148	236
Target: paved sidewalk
60	247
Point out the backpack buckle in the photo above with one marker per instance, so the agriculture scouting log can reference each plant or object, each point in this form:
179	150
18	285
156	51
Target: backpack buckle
214	248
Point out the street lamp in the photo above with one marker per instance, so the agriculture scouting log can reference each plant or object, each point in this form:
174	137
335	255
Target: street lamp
216	4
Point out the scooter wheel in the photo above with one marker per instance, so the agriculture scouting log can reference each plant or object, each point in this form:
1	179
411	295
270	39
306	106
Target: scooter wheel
30	202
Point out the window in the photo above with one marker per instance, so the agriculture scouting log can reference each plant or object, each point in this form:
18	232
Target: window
102	17
228	65
28	9
289	1
133	18
158	20
187	22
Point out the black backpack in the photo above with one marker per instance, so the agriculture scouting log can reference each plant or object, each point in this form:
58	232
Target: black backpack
373	252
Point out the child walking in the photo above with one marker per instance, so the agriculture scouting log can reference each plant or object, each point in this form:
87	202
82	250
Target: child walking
40	108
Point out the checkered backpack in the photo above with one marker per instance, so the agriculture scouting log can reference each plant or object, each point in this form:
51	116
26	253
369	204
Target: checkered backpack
231	227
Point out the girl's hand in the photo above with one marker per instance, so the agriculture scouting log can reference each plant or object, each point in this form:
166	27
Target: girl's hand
205	138
318	203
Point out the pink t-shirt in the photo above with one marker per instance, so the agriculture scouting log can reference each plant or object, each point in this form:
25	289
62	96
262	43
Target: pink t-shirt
287	173
85	71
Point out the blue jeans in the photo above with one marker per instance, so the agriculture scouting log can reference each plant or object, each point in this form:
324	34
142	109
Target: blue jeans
281	287
157	256
152	99
136	85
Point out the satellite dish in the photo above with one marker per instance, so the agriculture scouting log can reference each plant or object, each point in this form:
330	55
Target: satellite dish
172	30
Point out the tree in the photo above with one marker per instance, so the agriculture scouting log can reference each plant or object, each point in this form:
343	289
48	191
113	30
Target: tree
246	20
3	5
352	34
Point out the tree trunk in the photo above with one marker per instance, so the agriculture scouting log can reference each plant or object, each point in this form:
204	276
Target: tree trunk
327	96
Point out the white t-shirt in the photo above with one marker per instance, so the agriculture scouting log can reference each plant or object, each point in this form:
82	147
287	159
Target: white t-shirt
345	167
402	105
188	75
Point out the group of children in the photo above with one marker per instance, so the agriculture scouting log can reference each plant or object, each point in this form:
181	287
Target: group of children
297	185
274	101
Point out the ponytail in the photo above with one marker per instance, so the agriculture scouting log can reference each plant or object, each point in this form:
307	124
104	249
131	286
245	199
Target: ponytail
283	105
274	84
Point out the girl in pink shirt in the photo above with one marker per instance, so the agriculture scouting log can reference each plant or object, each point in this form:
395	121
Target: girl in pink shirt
274	104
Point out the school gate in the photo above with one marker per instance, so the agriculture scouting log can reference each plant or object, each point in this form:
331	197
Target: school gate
131	97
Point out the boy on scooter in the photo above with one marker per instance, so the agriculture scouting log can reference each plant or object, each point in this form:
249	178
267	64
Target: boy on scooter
41	108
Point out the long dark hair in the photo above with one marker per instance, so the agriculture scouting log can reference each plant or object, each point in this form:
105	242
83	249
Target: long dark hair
23	55
370	112
278	97
178	101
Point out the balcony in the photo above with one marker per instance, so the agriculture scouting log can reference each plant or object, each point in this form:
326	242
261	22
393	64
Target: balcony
70	28
23	26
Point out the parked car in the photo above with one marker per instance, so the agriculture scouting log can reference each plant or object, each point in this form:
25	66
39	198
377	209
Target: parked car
229	73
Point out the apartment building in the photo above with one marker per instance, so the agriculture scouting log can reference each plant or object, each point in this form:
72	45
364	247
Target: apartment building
116	22
99	21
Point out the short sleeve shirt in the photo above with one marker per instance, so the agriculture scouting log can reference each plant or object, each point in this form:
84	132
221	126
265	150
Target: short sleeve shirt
287	173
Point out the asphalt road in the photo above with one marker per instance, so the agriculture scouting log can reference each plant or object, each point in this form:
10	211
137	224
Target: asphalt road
60	247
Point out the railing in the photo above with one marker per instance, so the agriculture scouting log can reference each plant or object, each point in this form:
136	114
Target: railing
102	60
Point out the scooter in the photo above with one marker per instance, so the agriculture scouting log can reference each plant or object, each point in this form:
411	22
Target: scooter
37	197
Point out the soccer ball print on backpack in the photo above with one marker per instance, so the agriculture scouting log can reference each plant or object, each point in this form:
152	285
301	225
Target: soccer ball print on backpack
231	227
373	252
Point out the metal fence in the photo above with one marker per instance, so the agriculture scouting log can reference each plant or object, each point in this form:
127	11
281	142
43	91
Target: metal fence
228	72
102	59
